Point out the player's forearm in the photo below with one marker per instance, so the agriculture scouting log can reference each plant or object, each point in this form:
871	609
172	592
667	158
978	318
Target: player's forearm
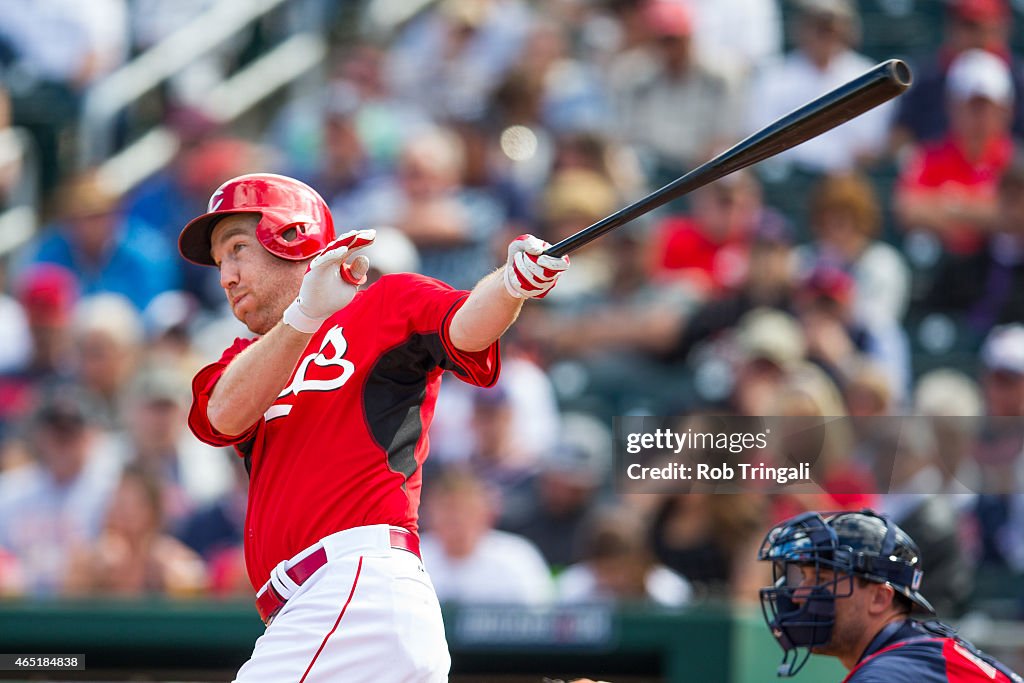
485	316
253	380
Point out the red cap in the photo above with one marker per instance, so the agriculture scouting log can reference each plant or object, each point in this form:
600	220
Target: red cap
48	293
668	18
979	10
830	282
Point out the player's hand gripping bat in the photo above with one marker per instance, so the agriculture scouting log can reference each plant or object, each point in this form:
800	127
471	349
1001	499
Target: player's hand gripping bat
882	83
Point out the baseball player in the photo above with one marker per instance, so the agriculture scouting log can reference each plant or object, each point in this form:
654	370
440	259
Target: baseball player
329	405
846	585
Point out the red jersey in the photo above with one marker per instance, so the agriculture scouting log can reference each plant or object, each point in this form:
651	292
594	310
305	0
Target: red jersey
943	169
343	444
683	248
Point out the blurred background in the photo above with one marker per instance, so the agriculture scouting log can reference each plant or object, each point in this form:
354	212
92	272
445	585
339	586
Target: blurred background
876	271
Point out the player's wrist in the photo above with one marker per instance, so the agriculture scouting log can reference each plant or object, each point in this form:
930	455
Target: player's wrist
511	281
297	318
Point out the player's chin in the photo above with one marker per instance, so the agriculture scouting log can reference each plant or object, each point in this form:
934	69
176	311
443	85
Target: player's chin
257	323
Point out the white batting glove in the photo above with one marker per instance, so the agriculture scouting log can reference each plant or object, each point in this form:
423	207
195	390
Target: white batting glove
329	283
529	274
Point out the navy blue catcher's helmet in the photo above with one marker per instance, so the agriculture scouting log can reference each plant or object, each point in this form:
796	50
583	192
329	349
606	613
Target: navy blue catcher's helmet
847	544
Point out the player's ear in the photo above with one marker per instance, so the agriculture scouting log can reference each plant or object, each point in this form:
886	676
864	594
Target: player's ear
881	598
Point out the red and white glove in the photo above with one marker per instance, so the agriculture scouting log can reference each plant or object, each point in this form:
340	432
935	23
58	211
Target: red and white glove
329	283
529	274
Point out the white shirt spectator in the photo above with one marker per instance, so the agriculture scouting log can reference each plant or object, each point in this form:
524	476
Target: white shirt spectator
679	118
40	520
737	34
503	568
534	414
791	82
67	40
882	278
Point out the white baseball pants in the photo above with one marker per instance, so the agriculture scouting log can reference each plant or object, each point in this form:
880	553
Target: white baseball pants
369	615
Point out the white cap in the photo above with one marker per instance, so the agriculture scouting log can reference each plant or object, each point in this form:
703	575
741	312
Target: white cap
979	73
1004	349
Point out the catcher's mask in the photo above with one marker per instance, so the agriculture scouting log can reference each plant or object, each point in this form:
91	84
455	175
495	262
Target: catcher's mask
815	558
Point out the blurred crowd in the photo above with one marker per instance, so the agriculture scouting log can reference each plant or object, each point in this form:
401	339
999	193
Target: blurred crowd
876	271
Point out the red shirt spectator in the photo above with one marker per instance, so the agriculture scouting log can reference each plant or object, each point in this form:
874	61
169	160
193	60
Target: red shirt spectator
950	188
945	168
710	247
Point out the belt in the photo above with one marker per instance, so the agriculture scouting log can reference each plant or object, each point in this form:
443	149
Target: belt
269	602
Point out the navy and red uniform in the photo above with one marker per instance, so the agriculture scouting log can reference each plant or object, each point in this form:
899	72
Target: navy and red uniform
926	653
363	396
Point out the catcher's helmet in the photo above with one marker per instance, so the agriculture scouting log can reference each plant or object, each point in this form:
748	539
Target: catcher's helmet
801	611
295	222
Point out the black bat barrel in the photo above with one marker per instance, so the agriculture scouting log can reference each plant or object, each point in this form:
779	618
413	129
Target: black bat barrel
882	83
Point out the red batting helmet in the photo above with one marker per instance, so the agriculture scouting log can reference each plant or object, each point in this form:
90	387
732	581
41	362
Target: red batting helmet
295	222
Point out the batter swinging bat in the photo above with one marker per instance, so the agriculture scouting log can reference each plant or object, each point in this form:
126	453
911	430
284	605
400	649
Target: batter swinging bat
882	83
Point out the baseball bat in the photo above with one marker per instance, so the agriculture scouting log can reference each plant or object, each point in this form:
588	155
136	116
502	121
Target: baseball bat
880	84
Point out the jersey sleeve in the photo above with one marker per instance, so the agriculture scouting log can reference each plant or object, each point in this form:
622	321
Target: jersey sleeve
429	305
202	386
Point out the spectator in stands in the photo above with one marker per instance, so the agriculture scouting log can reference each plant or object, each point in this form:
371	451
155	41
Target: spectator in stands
534	416
496	458
618	565
708	538
173	196
667	101
618	309
572	96
838	341
951	402
614	161
948	189
47	293
868	394
105	252
768	283
55	50
565	490
709	249
999	447
990	283
922	115
344	171
469	560
452	226
57	501
573	199
846	220
737	34
448	58
826	32
768	345
107	336
157	442
133	555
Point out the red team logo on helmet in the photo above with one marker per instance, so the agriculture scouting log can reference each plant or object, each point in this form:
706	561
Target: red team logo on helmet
295	222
